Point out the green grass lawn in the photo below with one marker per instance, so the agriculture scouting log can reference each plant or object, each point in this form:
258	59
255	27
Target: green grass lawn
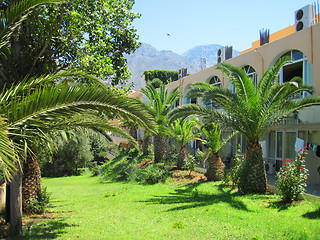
84	208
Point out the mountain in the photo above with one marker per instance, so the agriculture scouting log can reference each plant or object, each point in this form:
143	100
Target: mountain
149	58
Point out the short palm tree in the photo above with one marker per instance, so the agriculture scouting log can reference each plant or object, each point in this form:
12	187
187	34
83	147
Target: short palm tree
214	142
183	132
251	111
160	105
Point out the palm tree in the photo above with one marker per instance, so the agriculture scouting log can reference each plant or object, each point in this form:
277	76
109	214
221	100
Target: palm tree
183	132
12	16
251	111
35	107
159	107
214	142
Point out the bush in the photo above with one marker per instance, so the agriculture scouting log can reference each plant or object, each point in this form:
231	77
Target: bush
156	83
37	206
152	174
292	177
123	167
191	163
235	168
70	152
68	157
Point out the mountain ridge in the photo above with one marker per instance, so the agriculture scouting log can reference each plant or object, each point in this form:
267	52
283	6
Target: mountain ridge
148	57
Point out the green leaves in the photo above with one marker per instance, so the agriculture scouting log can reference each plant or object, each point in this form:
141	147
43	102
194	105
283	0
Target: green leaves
184	131
160	102
37	106
249	110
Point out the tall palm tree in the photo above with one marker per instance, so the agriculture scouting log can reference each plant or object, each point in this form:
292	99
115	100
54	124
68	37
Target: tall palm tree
35	107
214	142
160	104
183	132
251	111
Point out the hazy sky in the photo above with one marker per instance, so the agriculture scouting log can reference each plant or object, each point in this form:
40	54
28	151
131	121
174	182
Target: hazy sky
199	22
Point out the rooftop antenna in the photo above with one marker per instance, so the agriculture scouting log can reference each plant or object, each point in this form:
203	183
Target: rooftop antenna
317	16
264	36
315	13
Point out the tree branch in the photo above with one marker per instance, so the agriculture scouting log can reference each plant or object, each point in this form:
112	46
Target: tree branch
47	42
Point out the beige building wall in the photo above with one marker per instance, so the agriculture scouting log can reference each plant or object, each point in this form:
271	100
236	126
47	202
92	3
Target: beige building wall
263	57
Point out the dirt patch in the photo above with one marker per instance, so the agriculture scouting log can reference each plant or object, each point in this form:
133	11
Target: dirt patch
185	177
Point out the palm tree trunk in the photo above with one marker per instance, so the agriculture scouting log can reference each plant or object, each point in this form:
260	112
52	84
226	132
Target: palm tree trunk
133	133
14	204
31	184
253	178
215	168
159	148
145	145
183	154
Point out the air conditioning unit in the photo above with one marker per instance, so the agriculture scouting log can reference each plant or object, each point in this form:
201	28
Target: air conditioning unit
182	73
305	17
270	168
224	53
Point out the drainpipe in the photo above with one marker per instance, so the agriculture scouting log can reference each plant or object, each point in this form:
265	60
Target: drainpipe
181	82
311	43
261	59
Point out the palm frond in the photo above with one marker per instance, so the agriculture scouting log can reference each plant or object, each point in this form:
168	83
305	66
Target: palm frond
197	90
8	156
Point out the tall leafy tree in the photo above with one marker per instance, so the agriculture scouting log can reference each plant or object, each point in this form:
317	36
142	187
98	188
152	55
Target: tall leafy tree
251	111
183	132
160	104
91	35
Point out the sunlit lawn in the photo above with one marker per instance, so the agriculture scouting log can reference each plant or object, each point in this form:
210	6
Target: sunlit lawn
84	208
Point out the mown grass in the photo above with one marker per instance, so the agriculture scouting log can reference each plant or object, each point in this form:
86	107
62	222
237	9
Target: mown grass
84	208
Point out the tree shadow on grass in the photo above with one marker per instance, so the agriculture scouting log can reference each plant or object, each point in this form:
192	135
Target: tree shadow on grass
189	197
312	215
280	206
48	230
44	229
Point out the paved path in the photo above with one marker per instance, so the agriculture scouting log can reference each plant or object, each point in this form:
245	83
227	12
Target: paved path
311	189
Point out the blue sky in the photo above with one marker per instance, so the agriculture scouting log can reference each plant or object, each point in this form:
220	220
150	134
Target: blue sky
199	22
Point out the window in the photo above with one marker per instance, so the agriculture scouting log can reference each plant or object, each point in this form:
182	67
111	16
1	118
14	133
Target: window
299	67
214	81
251	73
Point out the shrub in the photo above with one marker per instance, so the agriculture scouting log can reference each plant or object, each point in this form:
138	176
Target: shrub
191	163
235	168
152	174
156	83
291	179
123	167
37	206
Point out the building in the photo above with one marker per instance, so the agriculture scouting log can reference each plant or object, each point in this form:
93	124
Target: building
303	45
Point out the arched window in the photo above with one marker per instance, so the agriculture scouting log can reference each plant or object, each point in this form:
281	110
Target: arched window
251	73
299	67
215	81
